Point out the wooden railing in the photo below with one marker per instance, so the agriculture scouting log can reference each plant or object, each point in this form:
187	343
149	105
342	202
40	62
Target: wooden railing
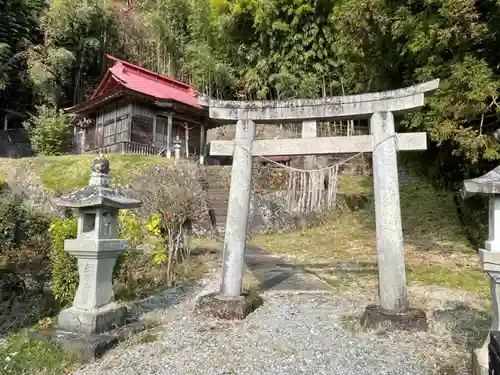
141	149
212	161
137	148
125	148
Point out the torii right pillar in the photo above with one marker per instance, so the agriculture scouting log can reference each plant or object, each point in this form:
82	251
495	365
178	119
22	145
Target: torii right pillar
393	309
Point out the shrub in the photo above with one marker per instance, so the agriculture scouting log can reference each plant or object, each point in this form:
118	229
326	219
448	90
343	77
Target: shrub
130	229
19	226
12	213
24	241
173	198
64	266
473	214
134	270
50	132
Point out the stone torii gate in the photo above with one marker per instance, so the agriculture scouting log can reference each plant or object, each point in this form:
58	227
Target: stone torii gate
383	142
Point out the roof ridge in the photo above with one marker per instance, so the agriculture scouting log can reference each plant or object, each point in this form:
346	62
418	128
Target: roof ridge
132	67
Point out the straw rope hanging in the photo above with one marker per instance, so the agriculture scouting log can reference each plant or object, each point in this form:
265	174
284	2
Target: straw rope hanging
311	190
314	190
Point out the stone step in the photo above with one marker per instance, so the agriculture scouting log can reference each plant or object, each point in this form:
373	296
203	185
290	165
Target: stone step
221	194
218	199
219	202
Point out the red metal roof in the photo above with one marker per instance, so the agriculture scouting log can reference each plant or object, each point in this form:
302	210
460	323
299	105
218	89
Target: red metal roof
277	159
146	82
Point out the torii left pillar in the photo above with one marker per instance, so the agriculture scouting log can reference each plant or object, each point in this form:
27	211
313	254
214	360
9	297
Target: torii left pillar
230	302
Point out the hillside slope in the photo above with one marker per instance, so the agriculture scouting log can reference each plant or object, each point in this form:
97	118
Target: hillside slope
62	174
433	233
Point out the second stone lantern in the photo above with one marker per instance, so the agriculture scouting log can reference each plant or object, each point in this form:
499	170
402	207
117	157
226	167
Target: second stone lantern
488	185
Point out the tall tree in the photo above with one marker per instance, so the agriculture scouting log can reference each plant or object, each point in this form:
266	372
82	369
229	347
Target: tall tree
18	28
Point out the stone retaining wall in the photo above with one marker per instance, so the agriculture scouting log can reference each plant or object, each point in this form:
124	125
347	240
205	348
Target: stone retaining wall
15	143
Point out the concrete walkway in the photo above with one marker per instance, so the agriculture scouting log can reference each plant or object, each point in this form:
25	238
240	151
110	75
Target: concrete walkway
274	273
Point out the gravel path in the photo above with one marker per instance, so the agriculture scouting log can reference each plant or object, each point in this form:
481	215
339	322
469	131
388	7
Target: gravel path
290	334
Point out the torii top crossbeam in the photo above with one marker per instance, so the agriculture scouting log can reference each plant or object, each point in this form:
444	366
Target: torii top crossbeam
325	109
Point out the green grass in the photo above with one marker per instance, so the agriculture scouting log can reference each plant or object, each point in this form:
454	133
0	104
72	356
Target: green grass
23	356
72	172
468	280
64	174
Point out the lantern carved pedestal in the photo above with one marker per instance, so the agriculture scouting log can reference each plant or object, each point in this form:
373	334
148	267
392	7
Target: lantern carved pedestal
95	322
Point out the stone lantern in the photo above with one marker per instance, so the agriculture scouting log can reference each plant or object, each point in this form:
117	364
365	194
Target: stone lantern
488	184
96	249
177	148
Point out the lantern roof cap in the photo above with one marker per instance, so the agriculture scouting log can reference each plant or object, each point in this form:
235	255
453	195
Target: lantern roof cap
487	184
98	193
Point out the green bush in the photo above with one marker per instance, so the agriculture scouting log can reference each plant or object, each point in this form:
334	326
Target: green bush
129	228
473	213
12	213
19	226
64	266
137	271
50	132
24	241
132	270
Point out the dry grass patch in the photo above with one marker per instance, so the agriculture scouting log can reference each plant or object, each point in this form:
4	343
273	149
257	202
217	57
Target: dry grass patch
250	282
343	250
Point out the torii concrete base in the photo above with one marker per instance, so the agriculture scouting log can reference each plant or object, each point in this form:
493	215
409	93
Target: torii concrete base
229	308
412	319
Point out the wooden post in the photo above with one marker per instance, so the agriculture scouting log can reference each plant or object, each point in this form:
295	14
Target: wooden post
169	136
202	144
83	140
6	122
154	129
96	135
130	120
114	131
186	139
